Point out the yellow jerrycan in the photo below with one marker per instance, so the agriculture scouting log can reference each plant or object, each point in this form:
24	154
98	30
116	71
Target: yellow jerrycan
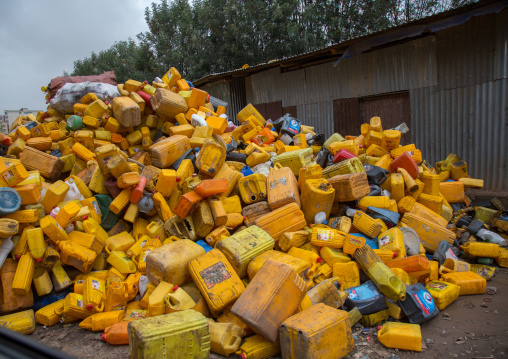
380	274
374	201
21	322
36	244
317	196
393	239
366	224
74	307
326	292
324	236
282	187
332	256
348	274
401	336
443	293
300	266
47	315
54	195
178	300
100	321
258	347
311	172
22	282
94	292
119	242
225	338
296	159
121	262
42	281
481	249
252	188
117	295
156	305
210	158
469	282
77	256
218	282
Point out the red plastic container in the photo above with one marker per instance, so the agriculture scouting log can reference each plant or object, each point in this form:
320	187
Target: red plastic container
407	162
137	192
342	155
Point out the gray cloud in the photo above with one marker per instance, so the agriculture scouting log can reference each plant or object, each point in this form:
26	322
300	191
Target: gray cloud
39	40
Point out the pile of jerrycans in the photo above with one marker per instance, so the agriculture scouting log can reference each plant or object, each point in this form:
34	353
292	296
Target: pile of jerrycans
153	219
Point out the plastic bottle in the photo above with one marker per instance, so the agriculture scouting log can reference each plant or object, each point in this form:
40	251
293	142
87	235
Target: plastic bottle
73	192
143	282
54	212
117	334
320	218
491	237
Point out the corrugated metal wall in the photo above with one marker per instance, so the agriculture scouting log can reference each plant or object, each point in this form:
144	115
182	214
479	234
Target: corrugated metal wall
457	81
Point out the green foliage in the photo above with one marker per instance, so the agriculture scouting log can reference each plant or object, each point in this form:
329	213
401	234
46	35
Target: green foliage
206	36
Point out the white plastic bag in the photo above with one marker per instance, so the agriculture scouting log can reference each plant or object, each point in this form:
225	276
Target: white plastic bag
71	94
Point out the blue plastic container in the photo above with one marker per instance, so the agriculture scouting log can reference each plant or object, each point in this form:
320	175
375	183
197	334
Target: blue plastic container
372	243
246	171
10	201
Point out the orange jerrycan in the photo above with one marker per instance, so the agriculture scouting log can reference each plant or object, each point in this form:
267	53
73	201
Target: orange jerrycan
469	282
116	334
317	196
318	332
277	291
282	187
401	336
311	172
288	218
350	187
100	321
217	280
225	338
409	205
241	247
94	292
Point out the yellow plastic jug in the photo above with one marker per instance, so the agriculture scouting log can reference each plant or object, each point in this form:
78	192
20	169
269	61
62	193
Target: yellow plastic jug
443	293
401	336
178	299
156	305
225	338
257	346
393	239
24	274
21	322
469	282
366	224
94	291
252	188
119	242
317	196
47	315
54	195
121	262
36	244
100	321
332	256
348	274
116	295
481	249
327	237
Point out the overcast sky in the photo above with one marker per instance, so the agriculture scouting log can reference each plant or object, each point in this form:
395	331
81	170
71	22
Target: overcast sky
39	40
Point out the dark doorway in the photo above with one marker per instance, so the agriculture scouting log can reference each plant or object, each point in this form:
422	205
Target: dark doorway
269	110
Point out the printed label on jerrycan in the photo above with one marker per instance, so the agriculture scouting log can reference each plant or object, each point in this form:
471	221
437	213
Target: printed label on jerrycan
9	177
214	274
79	303
294	127
325	235
361	293
425	301
386	240
437	286
96	285
137	314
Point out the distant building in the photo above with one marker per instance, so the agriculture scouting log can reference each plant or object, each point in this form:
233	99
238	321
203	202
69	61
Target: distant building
4	125
11	115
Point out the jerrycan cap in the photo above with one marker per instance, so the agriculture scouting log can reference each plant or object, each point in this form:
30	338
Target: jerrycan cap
89	306
319	260
7	141
85	217
243	356
18	256
178	179
103	337
106	117
175	288
378	328
395	254
38	260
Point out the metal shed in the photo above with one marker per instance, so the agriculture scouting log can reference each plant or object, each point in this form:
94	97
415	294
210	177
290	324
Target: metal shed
446	76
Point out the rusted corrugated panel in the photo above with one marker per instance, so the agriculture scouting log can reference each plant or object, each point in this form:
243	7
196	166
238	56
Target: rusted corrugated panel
466	54
469	121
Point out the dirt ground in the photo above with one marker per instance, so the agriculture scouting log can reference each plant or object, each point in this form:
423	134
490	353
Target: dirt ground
473	327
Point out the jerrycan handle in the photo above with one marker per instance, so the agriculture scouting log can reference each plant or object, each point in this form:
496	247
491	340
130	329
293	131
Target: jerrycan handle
444	270
276	166
59	311
108	251
134	261
100	307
